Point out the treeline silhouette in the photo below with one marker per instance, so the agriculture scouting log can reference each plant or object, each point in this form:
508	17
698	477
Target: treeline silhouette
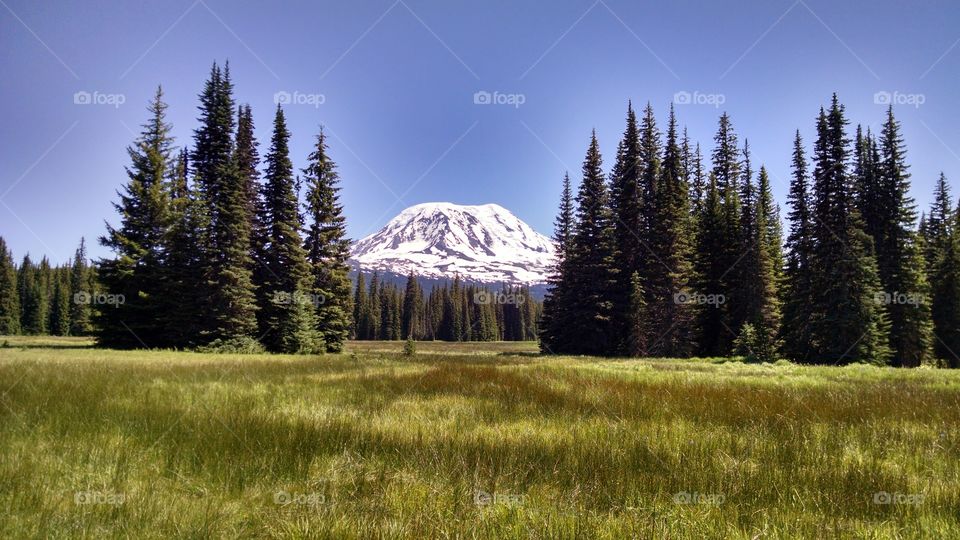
38	298
669	256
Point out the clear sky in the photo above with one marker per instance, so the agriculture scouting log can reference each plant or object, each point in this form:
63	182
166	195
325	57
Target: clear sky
397	80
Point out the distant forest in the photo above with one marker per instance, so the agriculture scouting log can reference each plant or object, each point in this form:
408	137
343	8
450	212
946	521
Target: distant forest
667	257
457	312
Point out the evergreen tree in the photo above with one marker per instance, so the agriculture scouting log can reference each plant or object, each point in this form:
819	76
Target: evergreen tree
32	301
711	317
942	257
60	306
630	179
720	248
594	278
847	324
938	227
946	302
558	301
287	303
459	314
412	310
650	163
136	274
670	331
372	323
246	159
763	305
328	247
182	315
226	179
637	325
797	292
9	293
360	307
731	246
79	311
698	182
749	280
900	263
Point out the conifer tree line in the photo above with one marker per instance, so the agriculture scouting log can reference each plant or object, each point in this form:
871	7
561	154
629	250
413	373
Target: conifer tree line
41	299
454	312
214	249
672	256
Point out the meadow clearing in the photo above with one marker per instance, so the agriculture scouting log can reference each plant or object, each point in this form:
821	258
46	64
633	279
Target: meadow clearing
468	441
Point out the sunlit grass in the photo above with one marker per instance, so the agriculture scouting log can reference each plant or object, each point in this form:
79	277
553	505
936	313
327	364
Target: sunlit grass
374	444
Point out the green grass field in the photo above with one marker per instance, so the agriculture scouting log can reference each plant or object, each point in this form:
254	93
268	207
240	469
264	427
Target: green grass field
468	441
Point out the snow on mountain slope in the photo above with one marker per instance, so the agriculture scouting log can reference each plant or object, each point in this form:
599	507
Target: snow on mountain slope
438	240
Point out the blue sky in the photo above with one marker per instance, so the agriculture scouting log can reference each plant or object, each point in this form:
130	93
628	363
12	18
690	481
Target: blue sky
397	80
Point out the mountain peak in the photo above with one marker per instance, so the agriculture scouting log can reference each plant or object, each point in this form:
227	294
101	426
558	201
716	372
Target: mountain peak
484	243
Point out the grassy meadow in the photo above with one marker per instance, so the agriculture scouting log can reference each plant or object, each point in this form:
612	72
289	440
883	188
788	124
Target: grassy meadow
468	441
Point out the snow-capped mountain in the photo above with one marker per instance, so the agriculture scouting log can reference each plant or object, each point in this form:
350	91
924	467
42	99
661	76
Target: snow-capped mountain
438	240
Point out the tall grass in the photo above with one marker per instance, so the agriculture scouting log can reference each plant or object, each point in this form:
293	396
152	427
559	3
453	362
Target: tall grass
375	444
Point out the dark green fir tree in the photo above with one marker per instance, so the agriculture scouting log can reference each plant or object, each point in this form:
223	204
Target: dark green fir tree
9	293
327	247
288	306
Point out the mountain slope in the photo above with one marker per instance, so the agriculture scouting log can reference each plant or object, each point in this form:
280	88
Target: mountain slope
484	243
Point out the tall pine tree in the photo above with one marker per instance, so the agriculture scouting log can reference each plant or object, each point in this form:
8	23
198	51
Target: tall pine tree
289	319
594	279
900	263
847	324
232	302
669	321
797	290
327	247
626	201
559	299
135	276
